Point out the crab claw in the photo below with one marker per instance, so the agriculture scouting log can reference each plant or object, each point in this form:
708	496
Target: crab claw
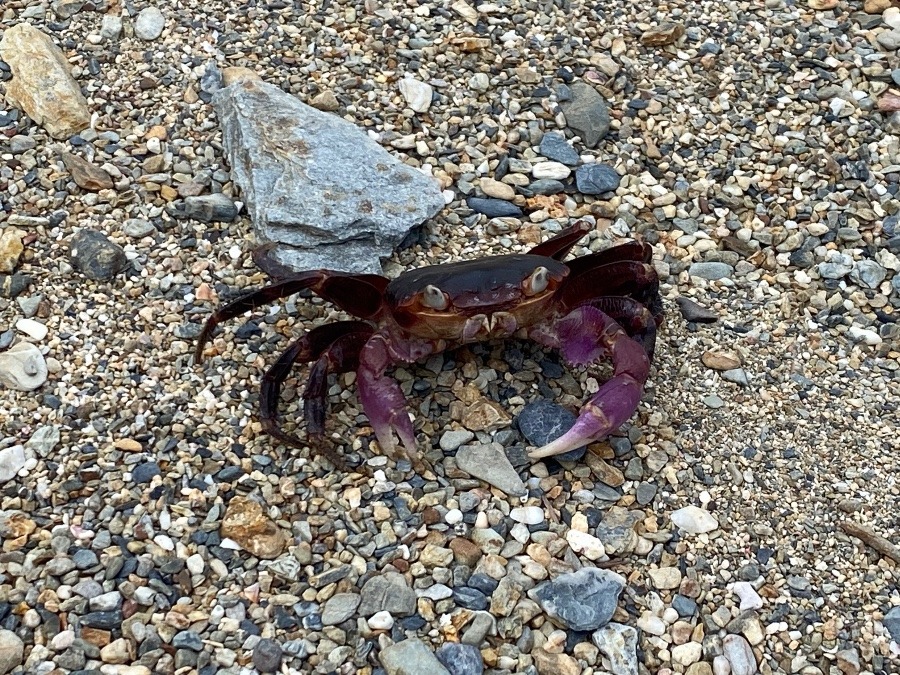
383	401
585	335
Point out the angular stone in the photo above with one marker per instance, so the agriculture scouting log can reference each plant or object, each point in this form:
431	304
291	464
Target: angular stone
416	93
316	186
149	23
543	421
891	621
387	592
490	464
587	113
411	657
22	367
338	608
214	208
711	271
95	256
86	175
740	655
549	663
12	651
555	146
494	208
619	644
666	34
460	659
584	600
616	530
597	179
247	523
267	656
42	83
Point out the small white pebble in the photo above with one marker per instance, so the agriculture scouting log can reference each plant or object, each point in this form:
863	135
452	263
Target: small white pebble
381	621
33	329
453	517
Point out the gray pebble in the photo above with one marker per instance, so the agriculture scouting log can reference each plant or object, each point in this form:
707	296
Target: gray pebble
711	271
267	656
149	23
95	256
597	179
554	146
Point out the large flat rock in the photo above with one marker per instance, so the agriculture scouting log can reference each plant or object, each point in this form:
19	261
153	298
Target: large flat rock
315	185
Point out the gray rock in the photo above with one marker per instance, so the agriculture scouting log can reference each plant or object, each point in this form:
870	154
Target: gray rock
188	639
584	600
868	273
837	266
138	227
490	464
22	367
12	651
387	592
619	644
12	460
711	270
267	656
105	602
736	375
316	186
542	421
494	208
587	113
460	659
12	285
452	439
482	624
597	179
616	530
95	256
338	608
891	621
145	472
149	23
890	39
740	655
111	27
214	208
546	186
66	9
555	146
645	493
411	657
43	440
19	144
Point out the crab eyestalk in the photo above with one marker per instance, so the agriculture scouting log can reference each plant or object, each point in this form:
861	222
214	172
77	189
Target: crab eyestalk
583	336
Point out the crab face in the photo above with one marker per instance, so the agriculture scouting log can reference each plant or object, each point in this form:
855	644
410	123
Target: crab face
475	300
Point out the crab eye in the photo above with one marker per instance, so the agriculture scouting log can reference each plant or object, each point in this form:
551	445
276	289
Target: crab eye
538	281
434	297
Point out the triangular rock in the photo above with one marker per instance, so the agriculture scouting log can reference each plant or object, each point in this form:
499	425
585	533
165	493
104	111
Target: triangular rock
315	185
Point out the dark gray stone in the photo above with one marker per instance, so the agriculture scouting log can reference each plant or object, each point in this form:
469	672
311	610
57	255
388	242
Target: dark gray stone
584	600
460	659
103	620
214	208
144	473
187	639
12	285
546	186
586	113
95	256
494	208
85	558
695	313
543	421
596	179
555	146
316	186
267	656
685	607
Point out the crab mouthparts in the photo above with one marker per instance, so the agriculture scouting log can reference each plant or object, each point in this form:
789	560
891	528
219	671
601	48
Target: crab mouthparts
498	324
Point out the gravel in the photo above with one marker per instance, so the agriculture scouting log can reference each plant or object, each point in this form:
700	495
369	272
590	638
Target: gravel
150	525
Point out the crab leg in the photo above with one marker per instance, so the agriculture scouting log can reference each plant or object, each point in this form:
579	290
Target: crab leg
635	318
584	335
381	397
333	347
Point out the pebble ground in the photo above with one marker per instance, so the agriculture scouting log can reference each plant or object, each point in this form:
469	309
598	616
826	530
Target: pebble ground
756	142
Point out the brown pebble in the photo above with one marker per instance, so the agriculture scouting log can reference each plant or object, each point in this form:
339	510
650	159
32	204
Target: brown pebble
465	552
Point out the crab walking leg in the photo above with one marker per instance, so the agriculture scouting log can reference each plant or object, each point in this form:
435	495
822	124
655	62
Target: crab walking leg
333	347
584	335
381	397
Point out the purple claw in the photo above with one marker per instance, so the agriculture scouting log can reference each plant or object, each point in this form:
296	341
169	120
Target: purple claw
383	401
586	334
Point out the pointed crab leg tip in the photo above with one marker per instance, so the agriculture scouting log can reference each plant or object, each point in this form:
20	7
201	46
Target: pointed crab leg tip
558	447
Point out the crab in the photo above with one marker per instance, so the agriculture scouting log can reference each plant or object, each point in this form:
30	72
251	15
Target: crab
602	305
